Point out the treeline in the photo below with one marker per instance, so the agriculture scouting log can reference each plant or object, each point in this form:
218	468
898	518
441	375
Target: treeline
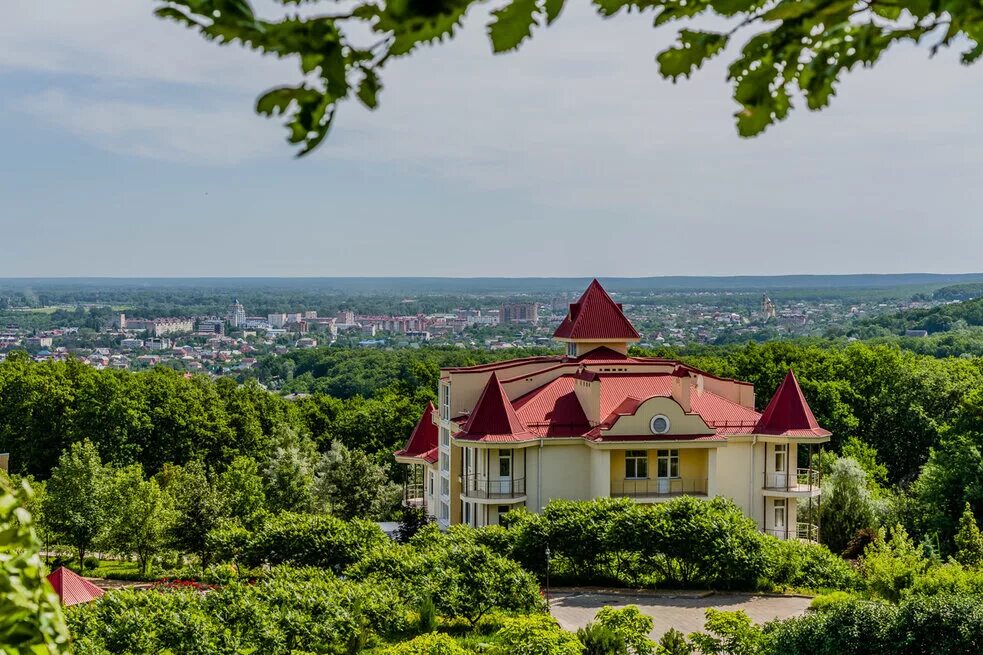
942	318
161	416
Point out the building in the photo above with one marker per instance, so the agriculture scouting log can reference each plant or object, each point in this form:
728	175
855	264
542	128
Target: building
277	320
346	317
767	307
519	313
38	342
210	326
237	314
597	423
159	327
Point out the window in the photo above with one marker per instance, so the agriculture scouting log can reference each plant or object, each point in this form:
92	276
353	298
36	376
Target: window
467	513
445	402
505	463
659	424
445	438
503	509
668	463
445	487
781	457
445	512
636	465
445	462
431	483
467	461
571	350
780	513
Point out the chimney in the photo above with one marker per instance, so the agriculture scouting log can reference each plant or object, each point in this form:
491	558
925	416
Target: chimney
681	389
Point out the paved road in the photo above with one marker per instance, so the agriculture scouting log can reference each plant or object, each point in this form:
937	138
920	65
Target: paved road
684	612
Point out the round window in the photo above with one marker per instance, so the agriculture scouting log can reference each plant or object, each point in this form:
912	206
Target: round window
660	424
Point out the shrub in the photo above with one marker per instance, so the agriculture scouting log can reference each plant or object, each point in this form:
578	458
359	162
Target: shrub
314	540
824	602
630	626
949	578
855	627
427	615
728	633
428	644
673	642
890	565
537	634
797	564
601	640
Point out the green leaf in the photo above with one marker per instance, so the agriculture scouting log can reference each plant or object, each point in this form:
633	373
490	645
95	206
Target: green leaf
886	11
696	48
752	120
512	24
610	7
368	89
276	101
553	9
790	9
177	15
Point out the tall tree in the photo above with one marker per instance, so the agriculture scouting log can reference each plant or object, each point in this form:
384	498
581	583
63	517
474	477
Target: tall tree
143	516
351	485
848	505
198	508
78	501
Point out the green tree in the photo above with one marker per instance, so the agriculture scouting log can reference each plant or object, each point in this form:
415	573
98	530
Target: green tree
351	485
289	479
630	626
240	488
143	516
890	564
795	47
78	502
969	540
30	613
198	509
535	634
848	505
952	477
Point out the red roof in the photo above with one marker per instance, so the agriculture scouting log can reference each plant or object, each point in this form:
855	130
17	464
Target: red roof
422	443
596	316
494	418
73	588
788	413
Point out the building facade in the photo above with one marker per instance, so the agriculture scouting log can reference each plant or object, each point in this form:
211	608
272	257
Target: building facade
519	313
597	422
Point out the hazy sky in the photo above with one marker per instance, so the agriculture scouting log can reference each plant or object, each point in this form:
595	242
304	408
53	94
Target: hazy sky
129	147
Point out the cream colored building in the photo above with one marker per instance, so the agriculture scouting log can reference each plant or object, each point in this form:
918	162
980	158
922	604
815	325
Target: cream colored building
598	423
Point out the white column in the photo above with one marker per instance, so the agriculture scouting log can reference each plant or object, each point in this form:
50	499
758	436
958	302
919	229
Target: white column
712	473
600	473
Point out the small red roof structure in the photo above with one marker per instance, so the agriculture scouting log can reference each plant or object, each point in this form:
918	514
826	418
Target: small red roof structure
788	413
494	418
422	443
596	317
73	588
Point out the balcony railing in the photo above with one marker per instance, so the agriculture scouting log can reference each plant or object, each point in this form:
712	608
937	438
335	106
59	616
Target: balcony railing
413	496
659	487
806	479
473	486
800	531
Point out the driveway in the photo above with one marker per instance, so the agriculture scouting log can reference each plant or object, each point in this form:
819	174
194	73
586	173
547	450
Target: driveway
683	611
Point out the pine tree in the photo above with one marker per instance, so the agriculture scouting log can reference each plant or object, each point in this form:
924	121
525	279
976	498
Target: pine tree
969	540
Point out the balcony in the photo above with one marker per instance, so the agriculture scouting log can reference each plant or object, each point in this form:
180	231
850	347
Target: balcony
803	481
483	488
801	531
659	488
413	496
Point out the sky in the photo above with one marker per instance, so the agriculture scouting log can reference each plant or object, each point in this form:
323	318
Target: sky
129	147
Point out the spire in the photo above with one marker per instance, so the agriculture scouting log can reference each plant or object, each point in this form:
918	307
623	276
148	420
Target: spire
494	418
423	438
596	317
788	413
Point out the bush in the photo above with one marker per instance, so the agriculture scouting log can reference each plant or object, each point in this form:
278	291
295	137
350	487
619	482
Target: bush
630	626
601	640
429	644
673	642
856	627
797	564
536	634
824	602
313	540
950	578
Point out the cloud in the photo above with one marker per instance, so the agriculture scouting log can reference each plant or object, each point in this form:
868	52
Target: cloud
222	136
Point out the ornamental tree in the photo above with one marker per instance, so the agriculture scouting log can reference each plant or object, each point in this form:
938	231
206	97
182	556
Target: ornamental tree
788	48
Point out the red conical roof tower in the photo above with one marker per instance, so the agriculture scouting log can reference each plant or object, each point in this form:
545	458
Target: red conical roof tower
494	418
422	443
73	588
596	317
788	413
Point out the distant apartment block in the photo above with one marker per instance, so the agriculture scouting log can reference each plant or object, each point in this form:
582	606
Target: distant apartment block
211	326
157	327
237	314
519	313
277	320
38	342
